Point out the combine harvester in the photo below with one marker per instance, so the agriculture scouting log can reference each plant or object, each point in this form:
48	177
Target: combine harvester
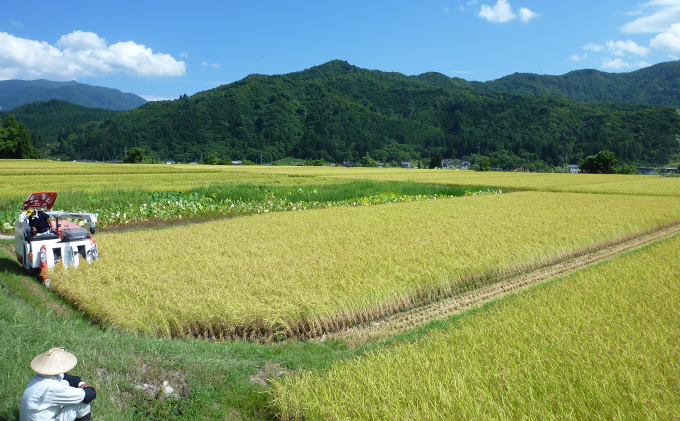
65	241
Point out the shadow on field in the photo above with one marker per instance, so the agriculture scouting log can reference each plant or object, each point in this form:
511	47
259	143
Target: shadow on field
11	415
12	266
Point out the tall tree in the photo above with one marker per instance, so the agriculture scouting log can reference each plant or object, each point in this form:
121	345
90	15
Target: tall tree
605	162
15	142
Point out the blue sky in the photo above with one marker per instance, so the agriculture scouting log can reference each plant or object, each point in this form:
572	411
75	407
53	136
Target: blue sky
163	49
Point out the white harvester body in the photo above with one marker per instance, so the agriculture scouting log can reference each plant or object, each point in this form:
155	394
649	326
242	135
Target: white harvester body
66	242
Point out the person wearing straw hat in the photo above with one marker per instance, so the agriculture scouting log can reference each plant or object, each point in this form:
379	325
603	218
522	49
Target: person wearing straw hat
52	394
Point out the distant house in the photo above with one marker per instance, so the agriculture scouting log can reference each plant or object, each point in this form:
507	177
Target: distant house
447	163
193	163
236	162
647	171
464	165
670	170
574	169
405	165
346	163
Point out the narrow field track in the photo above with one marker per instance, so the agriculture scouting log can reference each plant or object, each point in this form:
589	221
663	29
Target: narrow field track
420	316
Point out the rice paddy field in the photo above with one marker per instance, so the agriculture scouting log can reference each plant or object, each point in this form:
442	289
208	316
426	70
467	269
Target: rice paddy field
603	343
299	274
285	254
21	176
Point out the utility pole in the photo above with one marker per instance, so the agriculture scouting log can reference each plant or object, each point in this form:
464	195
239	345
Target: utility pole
477	148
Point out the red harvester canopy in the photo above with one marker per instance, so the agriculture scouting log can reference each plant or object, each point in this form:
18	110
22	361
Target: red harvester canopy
40	200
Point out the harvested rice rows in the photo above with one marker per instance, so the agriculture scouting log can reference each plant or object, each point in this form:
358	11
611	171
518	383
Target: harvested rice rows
417	317
283	275
600	344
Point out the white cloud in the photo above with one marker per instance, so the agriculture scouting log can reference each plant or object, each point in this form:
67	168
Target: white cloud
622	47
669	41
184	54
502	12
576	57
642	64
659	15
81	54
593	47
81	41
614	64
525	15
213	65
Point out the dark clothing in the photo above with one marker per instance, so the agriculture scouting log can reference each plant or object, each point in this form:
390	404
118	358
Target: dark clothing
74	381
40	221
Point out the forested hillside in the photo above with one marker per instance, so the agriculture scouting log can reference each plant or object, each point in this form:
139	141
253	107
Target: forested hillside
50	123
340	112
654	85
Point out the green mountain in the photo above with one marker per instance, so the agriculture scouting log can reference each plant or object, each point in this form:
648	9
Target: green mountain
340	112
14	93
50	122
654	85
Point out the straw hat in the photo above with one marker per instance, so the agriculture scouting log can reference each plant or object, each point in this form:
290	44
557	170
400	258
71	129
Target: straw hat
53	362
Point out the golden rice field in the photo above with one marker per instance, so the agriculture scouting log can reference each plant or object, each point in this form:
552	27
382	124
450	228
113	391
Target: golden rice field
22	176
600	344
555	182
278	275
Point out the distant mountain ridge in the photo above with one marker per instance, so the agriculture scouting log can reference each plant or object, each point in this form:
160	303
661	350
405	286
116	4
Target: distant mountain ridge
654	85
339	112
14	93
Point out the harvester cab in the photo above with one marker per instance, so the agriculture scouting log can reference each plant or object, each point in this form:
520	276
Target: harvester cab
64	241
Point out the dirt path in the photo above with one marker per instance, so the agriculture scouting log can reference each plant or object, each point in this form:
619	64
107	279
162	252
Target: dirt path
414	318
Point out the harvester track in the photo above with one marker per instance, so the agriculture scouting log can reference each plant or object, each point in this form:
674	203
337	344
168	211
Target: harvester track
420	316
